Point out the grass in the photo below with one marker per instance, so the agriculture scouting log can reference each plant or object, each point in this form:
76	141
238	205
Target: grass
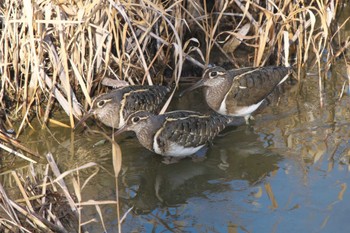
58	54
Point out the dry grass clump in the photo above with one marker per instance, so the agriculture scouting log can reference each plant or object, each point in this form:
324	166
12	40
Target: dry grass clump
56	53
38	199
43	204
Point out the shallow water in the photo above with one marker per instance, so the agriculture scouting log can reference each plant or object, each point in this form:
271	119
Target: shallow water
287	172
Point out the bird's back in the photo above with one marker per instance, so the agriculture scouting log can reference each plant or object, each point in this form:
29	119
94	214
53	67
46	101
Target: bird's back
253	86
191	128
150	98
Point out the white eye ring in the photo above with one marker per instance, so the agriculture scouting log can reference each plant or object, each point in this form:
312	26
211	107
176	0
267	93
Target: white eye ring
213	74
101	103
135	119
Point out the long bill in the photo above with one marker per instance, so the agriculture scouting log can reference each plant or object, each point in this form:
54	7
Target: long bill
84	118
198	84
121	130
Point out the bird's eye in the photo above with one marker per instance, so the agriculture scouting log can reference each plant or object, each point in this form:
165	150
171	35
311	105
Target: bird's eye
135	119
213	74
101	103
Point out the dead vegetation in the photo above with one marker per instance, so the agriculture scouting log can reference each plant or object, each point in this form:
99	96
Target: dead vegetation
58	54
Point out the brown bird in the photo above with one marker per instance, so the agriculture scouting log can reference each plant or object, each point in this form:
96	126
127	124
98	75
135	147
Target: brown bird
239	92
113	108
175	134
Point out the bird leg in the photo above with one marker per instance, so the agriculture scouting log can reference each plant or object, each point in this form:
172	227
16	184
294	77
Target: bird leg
247	118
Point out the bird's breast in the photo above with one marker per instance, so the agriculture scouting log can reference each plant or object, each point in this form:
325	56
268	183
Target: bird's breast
174	149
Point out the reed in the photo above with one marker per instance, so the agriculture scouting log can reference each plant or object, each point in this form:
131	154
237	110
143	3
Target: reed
38	198
56	53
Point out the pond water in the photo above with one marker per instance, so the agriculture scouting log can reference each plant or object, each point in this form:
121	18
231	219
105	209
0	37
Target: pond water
287	172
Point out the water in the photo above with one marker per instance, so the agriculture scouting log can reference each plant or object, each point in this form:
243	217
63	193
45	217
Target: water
287	172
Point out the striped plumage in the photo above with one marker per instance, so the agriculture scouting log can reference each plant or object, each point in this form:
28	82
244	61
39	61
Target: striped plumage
113	108
177	133
239	92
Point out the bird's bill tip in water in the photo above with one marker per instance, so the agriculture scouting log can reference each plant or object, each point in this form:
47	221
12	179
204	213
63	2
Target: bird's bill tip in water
121	130
198	84
83	119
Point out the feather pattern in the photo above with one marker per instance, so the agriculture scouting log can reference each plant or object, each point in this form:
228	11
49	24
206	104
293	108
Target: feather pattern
239	92
177	133
114	107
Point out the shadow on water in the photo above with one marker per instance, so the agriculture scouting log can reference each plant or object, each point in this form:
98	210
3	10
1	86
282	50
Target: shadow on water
164	185
158	193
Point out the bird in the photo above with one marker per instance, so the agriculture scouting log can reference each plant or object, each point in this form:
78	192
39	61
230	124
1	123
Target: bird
175	134
239	92
113	108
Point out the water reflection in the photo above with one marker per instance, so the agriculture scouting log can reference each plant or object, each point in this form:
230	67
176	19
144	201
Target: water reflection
288	170
160	185
316	124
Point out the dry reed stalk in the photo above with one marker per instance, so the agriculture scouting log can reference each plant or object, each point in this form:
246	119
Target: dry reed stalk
271	196
11	151
67	44
117	164
38	198
33	214
16	144
8	208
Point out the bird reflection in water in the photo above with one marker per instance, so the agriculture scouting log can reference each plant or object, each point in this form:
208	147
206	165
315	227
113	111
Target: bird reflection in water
162	185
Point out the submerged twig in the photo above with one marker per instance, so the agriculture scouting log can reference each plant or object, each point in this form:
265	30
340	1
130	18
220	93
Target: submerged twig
2	146
15	143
